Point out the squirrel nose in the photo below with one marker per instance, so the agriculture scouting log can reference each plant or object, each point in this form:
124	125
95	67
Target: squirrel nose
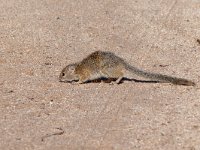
60	79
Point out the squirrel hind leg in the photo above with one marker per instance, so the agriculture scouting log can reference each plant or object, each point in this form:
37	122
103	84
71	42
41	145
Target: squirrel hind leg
114	73
119	80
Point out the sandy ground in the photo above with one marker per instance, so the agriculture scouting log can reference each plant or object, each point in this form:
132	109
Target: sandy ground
39	37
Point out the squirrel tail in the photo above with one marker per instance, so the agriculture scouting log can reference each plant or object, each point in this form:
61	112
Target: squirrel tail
160	77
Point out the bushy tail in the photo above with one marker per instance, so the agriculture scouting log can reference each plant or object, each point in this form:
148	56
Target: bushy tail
160	77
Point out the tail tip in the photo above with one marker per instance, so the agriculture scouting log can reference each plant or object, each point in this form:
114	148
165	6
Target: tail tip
191	83
185	82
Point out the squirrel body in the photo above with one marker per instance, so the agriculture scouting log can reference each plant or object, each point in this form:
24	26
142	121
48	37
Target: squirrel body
102	64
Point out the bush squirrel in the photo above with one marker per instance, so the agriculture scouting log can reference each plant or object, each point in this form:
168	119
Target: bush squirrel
102	64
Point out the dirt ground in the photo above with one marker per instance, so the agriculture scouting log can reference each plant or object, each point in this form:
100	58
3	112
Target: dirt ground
39	37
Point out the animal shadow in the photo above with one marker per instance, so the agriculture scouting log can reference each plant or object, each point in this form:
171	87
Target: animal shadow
109	80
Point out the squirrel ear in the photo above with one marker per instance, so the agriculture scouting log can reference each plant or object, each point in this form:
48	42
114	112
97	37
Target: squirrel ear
72	68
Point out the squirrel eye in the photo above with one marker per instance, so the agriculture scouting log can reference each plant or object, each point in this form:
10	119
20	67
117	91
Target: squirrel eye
63	74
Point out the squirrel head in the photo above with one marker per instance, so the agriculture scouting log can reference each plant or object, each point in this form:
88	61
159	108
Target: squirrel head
68	74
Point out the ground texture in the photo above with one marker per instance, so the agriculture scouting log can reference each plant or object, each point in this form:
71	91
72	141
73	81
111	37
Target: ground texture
39	37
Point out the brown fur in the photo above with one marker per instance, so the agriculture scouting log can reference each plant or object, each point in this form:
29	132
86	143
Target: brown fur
106	64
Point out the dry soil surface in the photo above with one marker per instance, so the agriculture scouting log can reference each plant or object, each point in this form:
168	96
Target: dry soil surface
39	37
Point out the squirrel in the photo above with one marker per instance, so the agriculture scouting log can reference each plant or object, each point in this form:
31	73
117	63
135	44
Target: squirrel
103	64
